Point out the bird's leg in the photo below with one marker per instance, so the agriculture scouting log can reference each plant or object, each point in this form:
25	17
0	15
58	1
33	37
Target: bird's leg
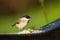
20	30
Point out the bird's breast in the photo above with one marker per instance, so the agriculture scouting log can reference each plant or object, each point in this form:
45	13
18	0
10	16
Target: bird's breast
21	25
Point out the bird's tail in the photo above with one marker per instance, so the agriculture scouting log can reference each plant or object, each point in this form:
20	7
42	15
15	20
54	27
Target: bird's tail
13	25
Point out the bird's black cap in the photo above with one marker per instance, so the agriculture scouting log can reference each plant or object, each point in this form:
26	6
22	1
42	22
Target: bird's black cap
28	17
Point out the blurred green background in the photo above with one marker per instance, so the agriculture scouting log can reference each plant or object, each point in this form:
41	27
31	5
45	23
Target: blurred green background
11	10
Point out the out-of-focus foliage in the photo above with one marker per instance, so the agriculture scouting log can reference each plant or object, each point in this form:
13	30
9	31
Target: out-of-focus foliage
42	2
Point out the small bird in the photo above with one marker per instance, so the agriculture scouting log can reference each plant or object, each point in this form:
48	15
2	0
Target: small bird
22	22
